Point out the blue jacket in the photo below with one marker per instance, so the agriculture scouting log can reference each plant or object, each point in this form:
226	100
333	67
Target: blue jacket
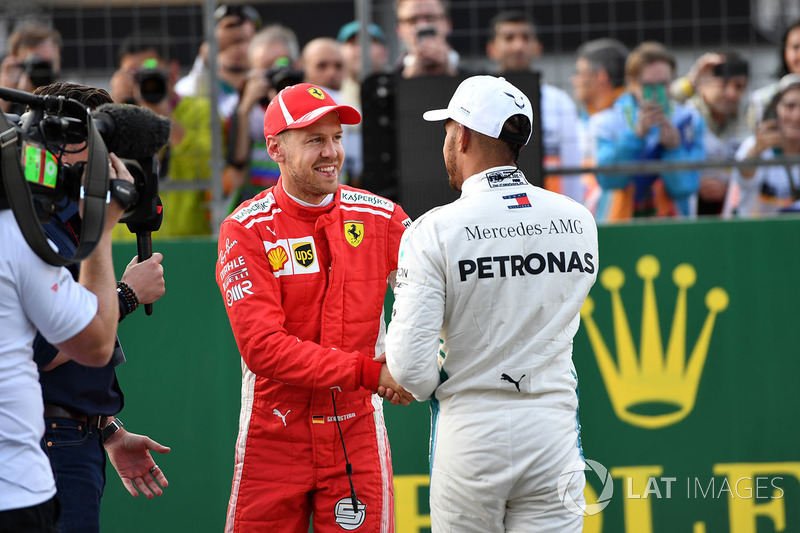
613	129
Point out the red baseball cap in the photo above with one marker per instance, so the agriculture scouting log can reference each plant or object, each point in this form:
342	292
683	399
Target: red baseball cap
298	106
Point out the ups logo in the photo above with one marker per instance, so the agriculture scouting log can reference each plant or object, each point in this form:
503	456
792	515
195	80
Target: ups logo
303	254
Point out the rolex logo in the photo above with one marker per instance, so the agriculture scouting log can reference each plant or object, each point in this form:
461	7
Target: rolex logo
655	389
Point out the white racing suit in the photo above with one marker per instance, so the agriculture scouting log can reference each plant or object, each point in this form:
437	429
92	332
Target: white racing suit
499	275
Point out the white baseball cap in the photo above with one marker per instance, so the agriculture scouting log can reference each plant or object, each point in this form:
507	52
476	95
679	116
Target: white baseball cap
483	104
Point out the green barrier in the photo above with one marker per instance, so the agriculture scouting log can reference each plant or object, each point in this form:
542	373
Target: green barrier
687	367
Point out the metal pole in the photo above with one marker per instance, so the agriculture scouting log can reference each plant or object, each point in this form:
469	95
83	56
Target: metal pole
364	16
217	198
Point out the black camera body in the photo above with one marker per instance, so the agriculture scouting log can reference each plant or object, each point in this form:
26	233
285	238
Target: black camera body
282	76
38	183
40	71
153	85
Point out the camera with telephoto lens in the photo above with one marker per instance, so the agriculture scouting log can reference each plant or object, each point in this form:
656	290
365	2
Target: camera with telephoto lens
281	75
153	82
40	71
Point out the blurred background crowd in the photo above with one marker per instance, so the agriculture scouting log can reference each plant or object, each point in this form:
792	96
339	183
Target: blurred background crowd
647	108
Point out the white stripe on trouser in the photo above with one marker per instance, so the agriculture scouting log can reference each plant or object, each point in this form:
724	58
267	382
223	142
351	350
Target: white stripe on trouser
380	435
248	386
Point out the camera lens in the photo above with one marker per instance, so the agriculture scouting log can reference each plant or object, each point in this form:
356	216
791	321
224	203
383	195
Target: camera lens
152	85
40	71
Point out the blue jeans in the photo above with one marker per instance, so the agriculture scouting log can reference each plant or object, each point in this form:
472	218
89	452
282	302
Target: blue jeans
79	465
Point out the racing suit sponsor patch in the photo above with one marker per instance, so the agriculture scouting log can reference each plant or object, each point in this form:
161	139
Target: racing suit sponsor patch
509	266
303	254
518	201
292	256
223	256
237	292
505	178
347	518
354	232
255	208
361	198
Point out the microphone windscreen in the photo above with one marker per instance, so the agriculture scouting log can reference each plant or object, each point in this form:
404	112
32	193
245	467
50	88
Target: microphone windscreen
130	131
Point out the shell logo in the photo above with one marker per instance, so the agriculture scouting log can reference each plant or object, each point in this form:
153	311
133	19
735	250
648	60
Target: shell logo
277	258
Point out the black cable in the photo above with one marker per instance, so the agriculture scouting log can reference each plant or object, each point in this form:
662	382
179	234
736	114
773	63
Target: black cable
349	467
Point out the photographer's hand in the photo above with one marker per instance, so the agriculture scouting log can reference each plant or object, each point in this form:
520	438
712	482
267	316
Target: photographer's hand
129	453
123	84
146	279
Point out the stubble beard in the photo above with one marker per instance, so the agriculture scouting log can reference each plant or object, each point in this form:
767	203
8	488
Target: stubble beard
451	164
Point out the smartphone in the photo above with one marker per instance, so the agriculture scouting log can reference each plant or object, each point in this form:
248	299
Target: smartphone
656	92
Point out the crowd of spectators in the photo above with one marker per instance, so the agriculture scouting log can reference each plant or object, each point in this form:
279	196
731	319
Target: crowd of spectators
628	106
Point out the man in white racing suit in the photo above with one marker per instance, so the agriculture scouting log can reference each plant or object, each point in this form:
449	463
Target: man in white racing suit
499	276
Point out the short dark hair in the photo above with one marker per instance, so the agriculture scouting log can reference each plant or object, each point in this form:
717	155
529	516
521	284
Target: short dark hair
91	97
517	126
606	54
505	17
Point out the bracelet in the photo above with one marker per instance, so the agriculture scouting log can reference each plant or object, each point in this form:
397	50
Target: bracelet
128	296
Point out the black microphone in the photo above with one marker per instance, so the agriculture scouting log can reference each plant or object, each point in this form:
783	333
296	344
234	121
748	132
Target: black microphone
130	131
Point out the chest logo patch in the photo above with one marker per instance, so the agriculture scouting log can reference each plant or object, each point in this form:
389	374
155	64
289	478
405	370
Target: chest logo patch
277	258
354	232
303	253
289	257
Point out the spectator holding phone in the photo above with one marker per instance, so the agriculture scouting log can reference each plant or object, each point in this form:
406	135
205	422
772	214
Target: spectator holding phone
423	27
715	86
772	189
644	125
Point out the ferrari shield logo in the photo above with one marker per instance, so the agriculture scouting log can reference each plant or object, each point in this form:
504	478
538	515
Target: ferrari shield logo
354	232
316	93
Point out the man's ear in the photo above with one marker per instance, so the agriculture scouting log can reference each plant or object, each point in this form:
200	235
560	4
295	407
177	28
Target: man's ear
275	149
463	138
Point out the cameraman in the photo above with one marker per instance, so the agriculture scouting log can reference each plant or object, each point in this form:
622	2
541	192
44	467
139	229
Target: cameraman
34	60
80	319
80	402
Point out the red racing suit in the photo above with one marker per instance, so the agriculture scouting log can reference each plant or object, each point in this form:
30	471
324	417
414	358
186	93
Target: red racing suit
304	290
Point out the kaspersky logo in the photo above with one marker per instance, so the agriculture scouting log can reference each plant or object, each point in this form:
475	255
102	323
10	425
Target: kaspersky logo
652	378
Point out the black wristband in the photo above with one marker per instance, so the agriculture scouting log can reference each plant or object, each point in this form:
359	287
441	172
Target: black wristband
127	294
112	427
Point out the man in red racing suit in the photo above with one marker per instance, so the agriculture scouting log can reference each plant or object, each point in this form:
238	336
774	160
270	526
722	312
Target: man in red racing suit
303	269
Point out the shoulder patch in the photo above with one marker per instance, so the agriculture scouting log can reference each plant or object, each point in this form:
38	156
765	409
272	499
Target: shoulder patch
367	199
254	208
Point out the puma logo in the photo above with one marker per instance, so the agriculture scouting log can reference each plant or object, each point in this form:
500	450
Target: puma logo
506	377
283	417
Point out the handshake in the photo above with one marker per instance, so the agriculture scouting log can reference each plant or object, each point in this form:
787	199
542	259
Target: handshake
388	388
